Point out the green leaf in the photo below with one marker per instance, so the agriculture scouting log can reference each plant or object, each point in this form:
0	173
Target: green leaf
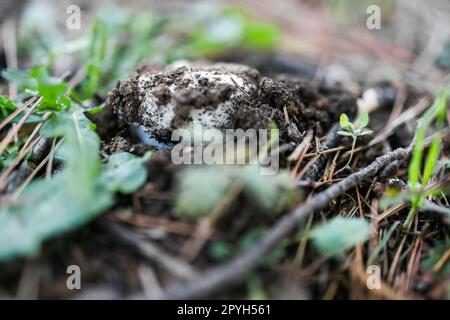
19	77
45	209
389	201
431	160
38	81
439	109
74	196
124	172
200	189
433	152
339	234
442	107
345	133
366	132
343	121
6	107
58	124
80	151
268	191
363	119
260	35
97	54
219	250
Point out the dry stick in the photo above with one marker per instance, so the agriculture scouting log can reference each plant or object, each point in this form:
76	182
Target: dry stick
414	258
442	260
302	146
396	260
36	129
206	226
404	117
312	154
16	112
300	151
395	166
13	131
29	144
233	271
37	169
151	251
331	140
150	222
48	170
5	173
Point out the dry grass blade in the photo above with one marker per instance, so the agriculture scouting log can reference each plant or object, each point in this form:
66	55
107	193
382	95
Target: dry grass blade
15	129
16	112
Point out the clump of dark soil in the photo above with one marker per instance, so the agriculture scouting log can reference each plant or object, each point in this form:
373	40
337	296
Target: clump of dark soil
223	96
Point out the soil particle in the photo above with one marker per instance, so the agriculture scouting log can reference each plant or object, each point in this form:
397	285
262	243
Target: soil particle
162	170
122	144
107	123
116	144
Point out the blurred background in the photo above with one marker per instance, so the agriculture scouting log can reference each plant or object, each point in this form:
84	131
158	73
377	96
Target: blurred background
327	39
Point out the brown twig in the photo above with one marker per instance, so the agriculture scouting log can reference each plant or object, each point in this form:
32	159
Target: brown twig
331	140
150	251
16	112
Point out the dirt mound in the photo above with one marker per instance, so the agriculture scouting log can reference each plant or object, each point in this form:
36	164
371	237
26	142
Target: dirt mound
222	96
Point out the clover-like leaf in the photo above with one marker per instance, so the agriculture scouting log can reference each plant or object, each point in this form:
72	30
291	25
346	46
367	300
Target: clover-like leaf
124	172
343	121
366	132
345	133
363	119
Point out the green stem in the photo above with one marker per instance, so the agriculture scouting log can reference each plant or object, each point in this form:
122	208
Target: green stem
412	213
351	151
351	156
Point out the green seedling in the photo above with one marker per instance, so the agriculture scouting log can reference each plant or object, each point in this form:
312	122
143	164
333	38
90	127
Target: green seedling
354	130
420	172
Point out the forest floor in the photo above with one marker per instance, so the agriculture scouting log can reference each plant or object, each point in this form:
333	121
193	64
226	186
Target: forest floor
358	209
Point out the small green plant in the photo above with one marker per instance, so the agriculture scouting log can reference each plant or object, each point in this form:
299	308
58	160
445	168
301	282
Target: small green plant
82	190
96	55
339	234
86	185
38	81
6	107
419	171
201	189
354	130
